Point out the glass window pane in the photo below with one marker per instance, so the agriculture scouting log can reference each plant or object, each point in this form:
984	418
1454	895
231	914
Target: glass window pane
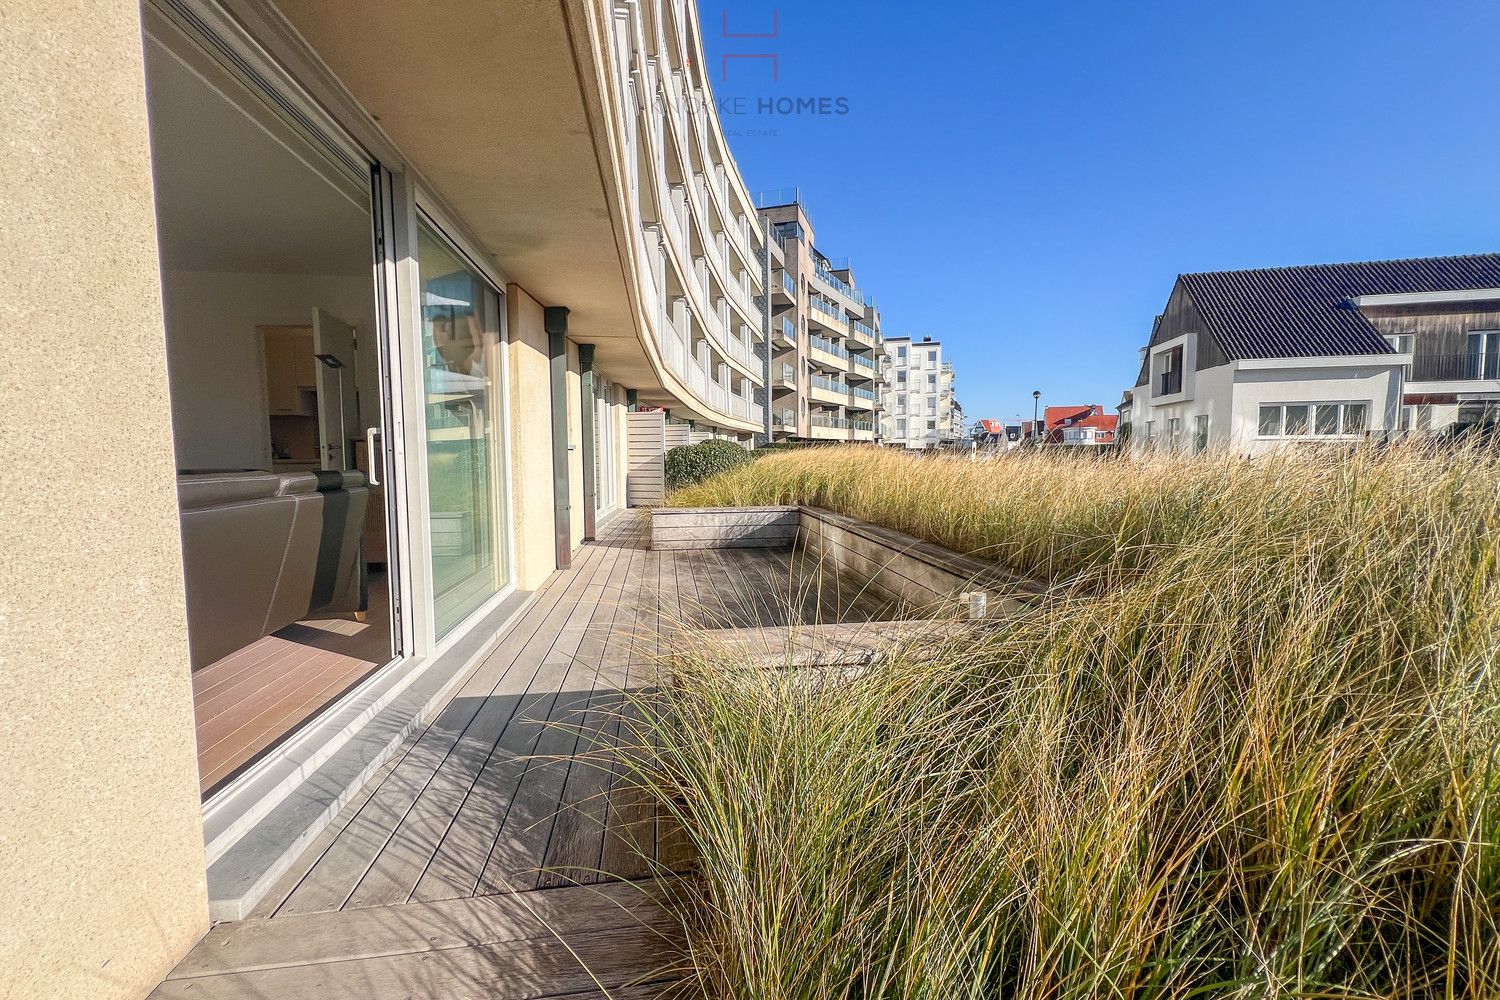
1296	419
461	361
1328	418
1270	421
1354	418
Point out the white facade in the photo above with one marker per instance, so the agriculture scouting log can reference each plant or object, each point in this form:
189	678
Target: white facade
1253	406
917	403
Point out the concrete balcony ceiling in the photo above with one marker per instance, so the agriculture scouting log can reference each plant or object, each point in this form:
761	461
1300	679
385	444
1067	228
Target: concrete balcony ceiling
511	115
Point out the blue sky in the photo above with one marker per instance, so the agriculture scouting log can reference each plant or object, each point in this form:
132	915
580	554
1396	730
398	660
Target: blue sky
1024	181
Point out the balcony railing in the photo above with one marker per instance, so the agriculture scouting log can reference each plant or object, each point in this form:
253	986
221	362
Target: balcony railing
778	196
1472	366
828	346
830	385
860	361
862	393
828	278
788	329
831	311
788	373
789	284
818	420
863	330
862	425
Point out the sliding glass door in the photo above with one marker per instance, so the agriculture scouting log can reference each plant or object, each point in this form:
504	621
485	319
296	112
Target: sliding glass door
461	347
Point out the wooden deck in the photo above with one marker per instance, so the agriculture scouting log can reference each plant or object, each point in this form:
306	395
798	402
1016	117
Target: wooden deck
505	815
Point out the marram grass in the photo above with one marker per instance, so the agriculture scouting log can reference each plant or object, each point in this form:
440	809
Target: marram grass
1248	747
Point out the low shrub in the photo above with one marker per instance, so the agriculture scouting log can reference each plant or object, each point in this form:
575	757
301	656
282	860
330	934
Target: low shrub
696	462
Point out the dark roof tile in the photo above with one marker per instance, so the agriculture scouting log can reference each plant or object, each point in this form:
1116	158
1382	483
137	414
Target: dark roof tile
1302	312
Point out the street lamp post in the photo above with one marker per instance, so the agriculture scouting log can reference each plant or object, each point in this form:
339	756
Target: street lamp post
1036	402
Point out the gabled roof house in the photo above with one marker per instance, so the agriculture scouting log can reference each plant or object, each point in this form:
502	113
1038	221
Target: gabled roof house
1256	360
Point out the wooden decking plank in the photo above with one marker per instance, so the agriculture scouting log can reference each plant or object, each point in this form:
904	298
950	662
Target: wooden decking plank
576	847
518	852
516	859
535	968
758	599
260	943
458	859
395	872
331	881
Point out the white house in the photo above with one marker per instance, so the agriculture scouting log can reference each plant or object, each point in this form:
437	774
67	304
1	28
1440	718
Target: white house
1256	360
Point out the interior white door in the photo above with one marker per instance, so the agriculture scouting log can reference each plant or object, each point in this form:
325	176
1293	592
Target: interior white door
338	417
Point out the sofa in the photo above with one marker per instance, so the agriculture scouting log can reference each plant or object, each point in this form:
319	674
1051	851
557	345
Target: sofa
261	550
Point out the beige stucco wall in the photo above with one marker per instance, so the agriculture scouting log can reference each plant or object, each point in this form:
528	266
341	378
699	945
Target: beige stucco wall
530	439
100	830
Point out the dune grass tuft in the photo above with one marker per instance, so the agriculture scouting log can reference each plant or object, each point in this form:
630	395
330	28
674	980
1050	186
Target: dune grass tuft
1248	747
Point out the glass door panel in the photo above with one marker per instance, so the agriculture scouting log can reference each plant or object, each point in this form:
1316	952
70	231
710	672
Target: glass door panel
465	457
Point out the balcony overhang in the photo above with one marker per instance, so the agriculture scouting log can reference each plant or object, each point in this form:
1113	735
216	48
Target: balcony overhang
504	114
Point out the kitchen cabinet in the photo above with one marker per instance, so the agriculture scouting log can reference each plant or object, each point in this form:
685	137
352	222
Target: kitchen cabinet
290	371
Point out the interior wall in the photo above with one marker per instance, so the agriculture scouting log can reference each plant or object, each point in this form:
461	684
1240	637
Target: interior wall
100	821
530	429
214	356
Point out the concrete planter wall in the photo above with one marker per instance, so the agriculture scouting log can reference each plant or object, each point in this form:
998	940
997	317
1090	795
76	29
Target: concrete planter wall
723	527
899	567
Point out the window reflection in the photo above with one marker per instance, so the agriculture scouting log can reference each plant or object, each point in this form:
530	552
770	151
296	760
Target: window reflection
461	351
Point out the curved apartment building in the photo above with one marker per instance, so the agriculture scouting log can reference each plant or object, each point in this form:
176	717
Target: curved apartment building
380	293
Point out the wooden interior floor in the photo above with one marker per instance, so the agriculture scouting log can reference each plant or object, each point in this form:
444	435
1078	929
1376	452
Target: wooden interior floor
512	793
257	696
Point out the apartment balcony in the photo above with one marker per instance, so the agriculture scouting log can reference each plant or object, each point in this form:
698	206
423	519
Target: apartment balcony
861	430
826	390
783	332
828	316
784	292
827	353
828	428
838	287
783	376
861	398
864	335
861	366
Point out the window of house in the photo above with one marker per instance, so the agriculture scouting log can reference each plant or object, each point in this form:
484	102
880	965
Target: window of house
1484	354
901	354
1401	343
932	425
901	426
1169	371
931	404
1417	418
1174	432
932	359
1313	419
1150	435
932	381
1200	432
1354	418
